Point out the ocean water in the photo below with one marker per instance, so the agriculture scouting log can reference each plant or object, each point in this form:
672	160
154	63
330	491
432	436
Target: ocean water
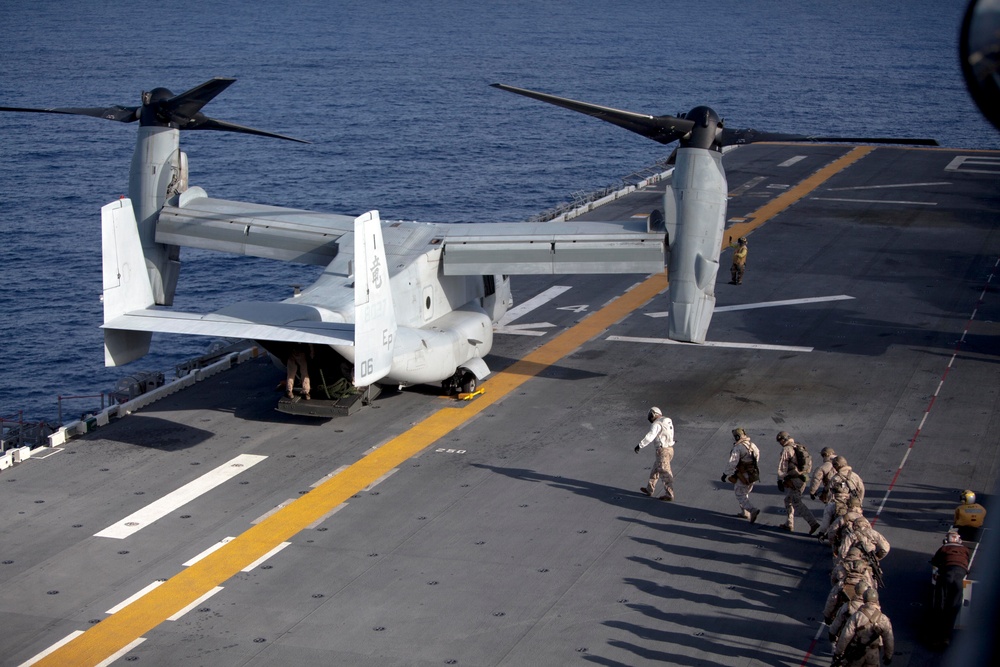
394	97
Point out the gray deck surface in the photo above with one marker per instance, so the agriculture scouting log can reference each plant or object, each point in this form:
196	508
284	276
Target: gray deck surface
520	538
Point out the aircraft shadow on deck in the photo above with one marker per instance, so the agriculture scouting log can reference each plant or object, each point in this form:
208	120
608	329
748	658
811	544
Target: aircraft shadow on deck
533	369
146	431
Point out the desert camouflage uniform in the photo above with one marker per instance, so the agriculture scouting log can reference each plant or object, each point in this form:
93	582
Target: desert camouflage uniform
834	509
858	532
744	454
821	478
794	481
866	632
846	475
854	600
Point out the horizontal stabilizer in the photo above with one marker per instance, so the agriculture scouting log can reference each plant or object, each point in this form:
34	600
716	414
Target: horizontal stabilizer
251	320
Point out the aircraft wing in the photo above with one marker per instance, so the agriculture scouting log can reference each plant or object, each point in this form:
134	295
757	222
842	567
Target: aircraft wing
195	220
552	248
254	320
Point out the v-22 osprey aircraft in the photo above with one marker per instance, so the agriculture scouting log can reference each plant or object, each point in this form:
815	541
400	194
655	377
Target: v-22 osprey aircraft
398	303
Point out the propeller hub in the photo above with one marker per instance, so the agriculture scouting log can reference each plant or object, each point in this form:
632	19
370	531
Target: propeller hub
705	132
153	113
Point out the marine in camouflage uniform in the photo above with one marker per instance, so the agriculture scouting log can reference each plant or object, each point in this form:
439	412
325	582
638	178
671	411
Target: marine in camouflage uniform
854	561
844	612
867	634
743	470
836	507
859	533
846	513
822	476
846	475
792	481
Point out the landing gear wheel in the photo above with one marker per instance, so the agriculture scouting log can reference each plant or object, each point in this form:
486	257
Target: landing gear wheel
469	383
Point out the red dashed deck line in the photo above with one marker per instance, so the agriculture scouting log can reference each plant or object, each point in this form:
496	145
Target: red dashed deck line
913	440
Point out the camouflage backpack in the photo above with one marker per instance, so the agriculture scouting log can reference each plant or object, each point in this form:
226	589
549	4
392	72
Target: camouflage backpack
751	469
803	461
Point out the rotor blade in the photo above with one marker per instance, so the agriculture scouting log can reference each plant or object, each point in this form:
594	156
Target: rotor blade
206	123
732	137
118	113
185	105
664	129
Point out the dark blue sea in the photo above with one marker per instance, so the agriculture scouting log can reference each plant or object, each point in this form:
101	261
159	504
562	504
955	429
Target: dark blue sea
394	97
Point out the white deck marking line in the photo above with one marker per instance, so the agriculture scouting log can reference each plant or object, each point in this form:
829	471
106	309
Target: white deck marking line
136	521
877	201
531	304
194	604
124	603
272	511
786	302
315	524
792	160
768	304
883	187
35	453
958	164
741	346
381	479
120	653
524	329
212	549
326	477
266	556
52	649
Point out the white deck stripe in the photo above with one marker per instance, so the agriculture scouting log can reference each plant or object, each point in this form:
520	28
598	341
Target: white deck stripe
883	187
531	304
900	202
194	604
792	160
118	654
786	302
170	502
524	329
212	549
52	649
768	304
315	524
272	511
263	558
124	603
741	346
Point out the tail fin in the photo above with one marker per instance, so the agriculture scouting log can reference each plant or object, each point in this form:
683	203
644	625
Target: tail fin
126	282
374	317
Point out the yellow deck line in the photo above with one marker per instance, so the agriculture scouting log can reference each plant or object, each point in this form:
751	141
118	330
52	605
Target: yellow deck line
780	203
133	621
